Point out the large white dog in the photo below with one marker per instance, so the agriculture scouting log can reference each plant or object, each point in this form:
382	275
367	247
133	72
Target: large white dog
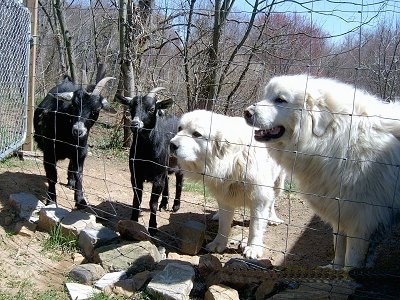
221	152
342	146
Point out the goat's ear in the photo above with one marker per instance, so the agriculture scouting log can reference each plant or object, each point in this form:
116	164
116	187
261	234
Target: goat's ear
123	100
106	106
164	104
320	117
67	96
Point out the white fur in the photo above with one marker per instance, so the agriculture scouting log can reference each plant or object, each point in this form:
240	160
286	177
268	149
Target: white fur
233	167
343	154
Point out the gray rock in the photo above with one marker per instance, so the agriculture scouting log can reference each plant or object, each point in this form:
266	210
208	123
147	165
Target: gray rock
26	205
50	216
174	282
130	257
131	230
93	237
79	291
208	263
109	279
140	279
221	292
192	237
87	273
75	221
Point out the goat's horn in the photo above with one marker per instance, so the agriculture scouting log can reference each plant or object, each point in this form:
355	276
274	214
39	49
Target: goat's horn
100	85
154	91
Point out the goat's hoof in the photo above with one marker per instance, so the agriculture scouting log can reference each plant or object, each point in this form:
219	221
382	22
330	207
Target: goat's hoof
49	202
71	184
81	204
153	231
162	206
176	207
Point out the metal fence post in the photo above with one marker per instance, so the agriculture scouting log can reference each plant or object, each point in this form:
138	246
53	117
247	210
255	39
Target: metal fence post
32	5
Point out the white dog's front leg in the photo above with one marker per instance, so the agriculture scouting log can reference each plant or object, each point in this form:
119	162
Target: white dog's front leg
225	217
356	250
339	246
273	218
258	223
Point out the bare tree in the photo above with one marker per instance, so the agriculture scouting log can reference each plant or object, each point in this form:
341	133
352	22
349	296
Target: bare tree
133	19
66	37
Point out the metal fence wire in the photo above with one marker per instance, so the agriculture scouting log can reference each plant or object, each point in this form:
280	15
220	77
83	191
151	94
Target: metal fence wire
15	35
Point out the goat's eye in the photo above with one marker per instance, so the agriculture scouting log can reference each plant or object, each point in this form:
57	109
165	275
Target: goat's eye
196	134
152	110
280	100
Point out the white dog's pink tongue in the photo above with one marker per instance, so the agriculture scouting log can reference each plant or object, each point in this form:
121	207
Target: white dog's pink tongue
274	130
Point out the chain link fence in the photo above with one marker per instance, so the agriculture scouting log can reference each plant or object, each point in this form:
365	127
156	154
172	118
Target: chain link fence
14	62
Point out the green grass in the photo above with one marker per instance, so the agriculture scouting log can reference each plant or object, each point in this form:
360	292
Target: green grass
59	241
26	292
51	295
196	187
290	186
135	296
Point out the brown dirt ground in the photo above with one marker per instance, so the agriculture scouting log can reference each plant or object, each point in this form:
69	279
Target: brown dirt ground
303	240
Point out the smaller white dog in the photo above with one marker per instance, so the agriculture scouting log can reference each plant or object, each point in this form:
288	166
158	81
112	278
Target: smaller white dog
221	152
342	145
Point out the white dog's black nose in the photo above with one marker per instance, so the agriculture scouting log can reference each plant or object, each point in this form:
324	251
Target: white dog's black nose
248	114
172	147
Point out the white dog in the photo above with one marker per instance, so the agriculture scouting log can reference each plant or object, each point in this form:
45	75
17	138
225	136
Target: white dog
221	152
342	146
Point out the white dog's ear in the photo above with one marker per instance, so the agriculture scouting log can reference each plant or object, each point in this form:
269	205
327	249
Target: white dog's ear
219	146
321	119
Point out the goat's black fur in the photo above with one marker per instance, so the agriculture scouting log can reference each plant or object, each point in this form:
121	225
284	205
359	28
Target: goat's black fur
149	158
62	127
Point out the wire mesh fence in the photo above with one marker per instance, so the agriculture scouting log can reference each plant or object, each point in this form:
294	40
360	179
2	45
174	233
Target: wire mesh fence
226	70
14	63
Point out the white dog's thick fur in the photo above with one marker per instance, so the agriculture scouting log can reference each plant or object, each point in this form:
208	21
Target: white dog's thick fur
221	152
342	146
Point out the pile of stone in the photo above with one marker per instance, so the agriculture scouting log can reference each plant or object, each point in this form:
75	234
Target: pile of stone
127	260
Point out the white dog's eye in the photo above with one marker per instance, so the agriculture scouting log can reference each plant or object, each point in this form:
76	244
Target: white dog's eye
280	100
196	134
179	128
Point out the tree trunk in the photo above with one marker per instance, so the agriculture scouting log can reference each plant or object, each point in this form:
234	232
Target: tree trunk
66	38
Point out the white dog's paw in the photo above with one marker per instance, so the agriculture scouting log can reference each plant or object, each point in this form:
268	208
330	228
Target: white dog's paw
275	221
253	251
332	266
216	246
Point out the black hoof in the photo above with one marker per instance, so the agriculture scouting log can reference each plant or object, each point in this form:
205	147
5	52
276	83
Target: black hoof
162	206
177	206
81	204
153	231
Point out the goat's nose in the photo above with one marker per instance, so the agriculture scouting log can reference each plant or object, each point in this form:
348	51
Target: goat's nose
248	114
79	129
135	123
77	132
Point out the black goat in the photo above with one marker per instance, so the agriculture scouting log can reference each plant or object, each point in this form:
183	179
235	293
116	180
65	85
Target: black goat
149	157
62	122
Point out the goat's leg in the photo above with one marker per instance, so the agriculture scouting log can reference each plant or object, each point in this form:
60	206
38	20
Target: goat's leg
80	201
158	187
49	163
137	187
71	176
165	195
178	191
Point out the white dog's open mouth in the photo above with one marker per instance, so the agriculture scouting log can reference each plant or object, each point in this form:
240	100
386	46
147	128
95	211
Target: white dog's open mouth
263	135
